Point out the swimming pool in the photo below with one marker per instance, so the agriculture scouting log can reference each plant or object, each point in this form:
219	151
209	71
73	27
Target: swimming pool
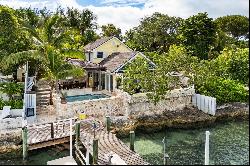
85	97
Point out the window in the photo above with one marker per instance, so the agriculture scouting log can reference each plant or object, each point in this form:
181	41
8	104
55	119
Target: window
99	54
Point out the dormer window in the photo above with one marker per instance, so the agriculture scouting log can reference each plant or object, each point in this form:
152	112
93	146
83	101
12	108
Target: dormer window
99	54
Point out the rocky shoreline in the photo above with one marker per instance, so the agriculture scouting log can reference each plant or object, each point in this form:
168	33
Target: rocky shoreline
187	118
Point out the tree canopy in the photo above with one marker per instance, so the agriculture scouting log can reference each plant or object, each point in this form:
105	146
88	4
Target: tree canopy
197	34
155	33
236	26
110	30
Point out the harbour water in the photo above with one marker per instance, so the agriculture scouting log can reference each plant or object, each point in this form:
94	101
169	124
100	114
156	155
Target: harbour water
229	145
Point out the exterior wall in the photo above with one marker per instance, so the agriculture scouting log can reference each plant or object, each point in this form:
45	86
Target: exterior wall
176	100
10	123
74	92
20	72
108	48
99	108
123	104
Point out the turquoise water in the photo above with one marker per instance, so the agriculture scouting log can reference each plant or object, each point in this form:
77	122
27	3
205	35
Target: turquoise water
229	145
85	97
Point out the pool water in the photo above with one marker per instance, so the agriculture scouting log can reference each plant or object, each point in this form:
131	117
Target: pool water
85	97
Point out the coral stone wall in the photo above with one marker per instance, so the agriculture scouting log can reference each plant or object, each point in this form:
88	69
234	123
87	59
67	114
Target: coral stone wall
175	100
123	104
113	106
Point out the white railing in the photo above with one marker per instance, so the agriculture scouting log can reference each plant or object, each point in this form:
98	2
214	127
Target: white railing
204	103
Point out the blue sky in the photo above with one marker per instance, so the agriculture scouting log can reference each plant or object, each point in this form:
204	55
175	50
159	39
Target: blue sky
117	3
126	14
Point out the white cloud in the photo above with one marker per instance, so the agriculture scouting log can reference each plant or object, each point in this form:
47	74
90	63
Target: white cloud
126	17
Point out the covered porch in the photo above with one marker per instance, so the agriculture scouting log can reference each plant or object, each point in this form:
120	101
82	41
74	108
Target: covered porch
95	77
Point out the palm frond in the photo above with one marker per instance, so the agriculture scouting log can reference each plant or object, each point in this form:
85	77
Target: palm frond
33	32
20	58
73	53
69	70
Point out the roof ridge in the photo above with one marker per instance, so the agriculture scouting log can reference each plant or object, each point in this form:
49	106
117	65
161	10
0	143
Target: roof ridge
97	43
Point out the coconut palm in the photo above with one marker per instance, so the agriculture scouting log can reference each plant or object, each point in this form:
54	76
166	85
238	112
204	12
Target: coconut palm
52	46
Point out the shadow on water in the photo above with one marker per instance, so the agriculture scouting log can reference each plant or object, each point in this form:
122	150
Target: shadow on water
37	157
228	145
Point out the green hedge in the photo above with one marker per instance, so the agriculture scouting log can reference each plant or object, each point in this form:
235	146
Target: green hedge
15	104
224	90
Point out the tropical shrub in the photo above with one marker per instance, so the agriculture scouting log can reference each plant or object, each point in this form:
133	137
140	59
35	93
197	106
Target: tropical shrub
11	88
224	90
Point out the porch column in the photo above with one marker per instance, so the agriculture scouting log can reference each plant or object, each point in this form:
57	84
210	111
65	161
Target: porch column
114	82
109	82
99	80
105	76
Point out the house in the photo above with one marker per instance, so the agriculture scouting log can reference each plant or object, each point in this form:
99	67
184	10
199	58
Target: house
105	61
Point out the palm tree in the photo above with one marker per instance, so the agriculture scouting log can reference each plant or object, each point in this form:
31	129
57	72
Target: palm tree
52	45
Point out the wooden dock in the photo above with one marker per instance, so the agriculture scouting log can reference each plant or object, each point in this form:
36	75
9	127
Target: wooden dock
108	143
48	134
44	135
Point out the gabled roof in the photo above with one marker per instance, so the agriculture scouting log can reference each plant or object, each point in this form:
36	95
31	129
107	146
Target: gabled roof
85	64
117	59
96	43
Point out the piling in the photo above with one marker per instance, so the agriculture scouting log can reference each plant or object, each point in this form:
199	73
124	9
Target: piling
25	142
132	140
165	155
207	148
52	130
95	151
77	130
108	123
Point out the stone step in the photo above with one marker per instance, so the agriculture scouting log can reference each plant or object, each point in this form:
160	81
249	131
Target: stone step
45	93
42	100
43	89
43	103
40	96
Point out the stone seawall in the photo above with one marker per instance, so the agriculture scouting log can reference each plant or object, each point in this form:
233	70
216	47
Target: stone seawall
113	106
10	143
123	104
187	118
175	100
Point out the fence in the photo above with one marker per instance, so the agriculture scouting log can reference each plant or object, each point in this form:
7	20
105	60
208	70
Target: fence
204	103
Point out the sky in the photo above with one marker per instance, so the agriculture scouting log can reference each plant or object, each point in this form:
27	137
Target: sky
127	14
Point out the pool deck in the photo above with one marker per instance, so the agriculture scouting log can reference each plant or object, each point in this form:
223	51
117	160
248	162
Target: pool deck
63	161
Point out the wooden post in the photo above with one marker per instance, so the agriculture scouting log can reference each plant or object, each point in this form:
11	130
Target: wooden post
70	137
132	140
207	148
108	123
95	151
25	142
77	130
87	151
165	155
52	130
